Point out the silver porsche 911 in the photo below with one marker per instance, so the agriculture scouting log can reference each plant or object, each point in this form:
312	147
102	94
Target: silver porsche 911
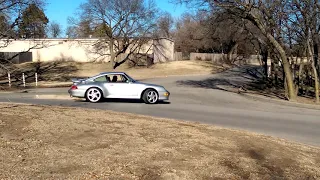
117	85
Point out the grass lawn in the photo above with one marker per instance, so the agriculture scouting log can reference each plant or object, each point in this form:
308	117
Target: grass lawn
50	142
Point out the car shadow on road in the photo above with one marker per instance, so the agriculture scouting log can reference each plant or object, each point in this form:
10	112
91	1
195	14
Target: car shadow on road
133	101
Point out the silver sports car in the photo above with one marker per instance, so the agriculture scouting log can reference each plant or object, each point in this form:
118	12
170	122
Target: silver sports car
116	85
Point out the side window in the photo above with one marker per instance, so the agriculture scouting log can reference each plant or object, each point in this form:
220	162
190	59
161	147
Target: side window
101	79
119	78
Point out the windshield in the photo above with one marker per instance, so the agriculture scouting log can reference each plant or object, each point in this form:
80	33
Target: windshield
130	78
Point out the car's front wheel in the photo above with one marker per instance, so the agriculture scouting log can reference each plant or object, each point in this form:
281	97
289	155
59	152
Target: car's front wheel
94	95
150	96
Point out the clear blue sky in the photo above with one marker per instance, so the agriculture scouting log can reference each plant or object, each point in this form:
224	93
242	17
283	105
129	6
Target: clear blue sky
60	10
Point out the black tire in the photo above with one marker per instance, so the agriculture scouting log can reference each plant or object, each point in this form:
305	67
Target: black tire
94	95
150	96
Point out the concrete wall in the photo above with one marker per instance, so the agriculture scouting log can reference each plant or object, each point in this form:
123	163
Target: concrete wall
178	56
218	57
252	59
214	57
51	50
81	50
163	50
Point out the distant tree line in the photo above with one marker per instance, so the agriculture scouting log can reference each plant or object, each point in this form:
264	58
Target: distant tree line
284	31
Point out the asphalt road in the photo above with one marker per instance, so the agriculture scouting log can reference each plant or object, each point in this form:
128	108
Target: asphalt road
201	99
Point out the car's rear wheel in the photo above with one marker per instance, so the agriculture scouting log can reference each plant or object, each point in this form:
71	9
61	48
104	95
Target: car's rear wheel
150	96
94	95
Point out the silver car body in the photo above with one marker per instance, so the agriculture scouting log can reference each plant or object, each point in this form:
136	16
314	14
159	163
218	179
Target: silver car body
126	88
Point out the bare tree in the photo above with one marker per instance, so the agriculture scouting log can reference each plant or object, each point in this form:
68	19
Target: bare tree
11	13
262	15
127	25
208	32
186	36
268	18
278	29
55	29
306	28
71	32
165	25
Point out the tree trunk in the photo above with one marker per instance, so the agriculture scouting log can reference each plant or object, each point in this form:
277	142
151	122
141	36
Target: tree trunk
316	82
286	93
299	78
231	52
273	71
286	67
265	62
112	54
275	65
314	69
316	52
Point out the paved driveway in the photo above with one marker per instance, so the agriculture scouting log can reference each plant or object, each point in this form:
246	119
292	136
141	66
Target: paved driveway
201	99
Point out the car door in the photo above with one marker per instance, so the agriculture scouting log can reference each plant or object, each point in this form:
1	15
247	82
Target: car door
120	87
104	81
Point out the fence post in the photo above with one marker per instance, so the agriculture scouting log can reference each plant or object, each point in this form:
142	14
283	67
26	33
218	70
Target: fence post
36	79
23	80
9	78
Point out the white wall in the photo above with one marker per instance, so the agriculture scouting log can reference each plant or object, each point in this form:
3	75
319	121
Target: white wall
163	50
80	50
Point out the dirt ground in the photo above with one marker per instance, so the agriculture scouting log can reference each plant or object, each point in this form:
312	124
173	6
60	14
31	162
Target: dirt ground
48	142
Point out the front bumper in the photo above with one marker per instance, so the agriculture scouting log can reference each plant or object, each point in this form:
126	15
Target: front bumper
164	95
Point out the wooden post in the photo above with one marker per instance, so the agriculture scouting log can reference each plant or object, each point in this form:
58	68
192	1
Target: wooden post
36	76
9	79
23	80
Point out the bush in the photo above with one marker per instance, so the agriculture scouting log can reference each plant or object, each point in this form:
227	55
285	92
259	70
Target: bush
139	59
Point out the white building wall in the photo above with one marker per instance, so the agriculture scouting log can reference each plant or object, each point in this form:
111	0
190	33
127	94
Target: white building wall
163	50
80	50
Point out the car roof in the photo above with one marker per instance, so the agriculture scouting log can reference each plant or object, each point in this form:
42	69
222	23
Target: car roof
108	73
105	73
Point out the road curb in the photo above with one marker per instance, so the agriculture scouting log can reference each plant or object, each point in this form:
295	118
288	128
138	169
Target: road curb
161	77
52	96
281	102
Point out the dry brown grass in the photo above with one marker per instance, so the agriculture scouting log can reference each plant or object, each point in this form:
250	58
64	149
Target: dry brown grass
157	70
59	73
42	142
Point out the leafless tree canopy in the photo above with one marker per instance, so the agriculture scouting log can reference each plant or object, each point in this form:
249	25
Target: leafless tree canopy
121	24
165	25
54	29
278	29
212	33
